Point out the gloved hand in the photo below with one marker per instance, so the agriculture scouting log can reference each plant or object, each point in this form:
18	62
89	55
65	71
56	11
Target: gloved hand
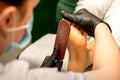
84	19
52	61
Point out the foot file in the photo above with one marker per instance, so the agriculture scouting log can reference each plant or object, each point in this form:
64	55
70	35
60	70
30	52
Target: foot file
62	38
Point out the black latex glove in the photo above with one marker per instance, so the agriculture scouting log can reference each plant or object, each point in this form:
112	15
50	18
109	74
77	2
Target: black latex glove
84	19
52	61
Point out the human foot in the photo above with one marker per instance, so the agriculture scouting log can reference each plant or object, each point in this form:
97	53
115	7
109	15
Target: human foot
78	57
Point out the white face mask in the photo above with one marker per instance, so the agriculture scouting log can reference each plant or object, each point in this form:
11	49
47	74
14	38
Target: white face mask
26	39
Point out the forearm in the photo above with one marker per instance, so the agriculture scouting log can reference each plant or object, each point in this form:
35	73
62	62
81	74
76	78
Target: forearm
106	56
110	48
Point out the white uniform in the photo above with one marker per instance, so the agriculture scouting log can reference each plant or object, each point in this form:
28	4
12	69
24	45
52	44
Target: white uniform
19	70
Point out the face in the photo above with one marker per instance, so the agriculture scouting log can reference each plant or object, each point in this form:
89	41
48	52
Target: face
18	16
28	13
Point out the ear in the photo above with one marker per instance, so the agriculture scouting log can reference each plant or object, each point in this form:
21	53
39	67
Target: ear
6	19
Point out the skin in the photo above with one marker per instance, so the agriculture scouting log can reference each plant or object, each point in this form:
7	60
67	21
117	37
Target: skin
81	52
79	55
102	56
7	20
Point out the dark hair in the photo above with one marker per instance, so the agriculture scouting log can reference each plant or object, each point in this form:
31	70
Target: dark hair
17	3
14	2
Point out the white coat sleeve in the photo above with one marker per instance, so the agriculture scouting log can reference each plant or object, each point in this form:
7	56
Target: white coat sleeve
19	70
112	17
97	7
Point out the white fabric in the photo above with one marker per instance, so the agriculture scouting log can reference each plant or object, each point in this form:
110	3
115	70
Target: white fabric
36	53
20	70
11	55
97	7
112	17
108	10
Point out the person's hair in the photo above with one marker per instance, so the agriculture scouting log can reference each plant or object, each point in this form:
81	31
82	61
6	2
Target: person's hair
17	3
14	2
